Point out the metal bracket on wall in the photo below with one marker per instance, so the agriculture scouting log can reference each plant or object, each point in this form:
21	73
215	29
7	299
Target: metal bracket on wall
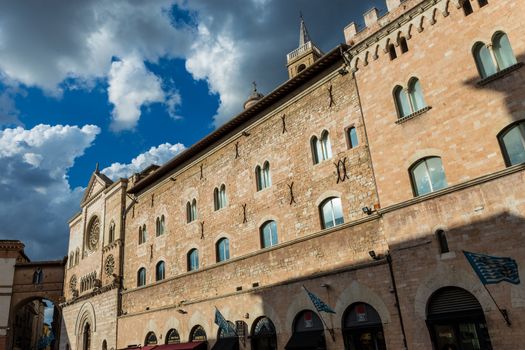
237	150
202	229
244	220
292	198
342	174
331	96
283	119
202	176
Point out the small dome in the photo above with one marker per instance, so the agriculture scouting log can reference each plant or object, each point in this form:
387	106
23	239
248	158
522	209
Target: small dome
254	97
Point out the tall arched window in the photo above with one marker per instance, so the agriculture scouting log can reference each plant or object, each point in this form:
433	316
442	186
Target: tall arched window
415	93
172	337
86	337
353	141
263	176
512	142
77	256
151	339
104	345
456	320
38	276
362	328
159	225
111	236
160	271
198	334
428	176
321	147
484	61
223	249
503	51
307	325
141	277
441	238
402	103
191	210
219	197
193	260
331	212
71	259
269	234
264	335
142	234
392	51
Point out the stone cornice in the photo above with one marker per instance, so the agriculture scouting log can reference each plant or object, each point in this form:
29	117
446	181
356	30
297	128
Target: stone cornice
92	294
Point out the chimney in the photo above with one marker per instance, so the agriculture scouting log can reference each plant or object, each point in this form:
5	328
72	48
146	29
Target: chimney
350	31
392	4
371	17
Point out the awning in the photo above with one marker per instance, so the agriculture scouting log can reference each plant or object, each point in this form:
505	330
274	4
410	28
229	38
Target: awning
196	345
231	343
149	347
306	341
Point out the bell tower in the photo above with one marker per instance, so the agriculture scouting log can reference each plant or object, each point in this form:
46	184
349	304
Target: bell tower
305	55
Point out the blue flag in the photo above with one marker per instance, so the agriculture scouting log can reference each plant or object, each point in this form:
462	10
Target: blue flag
318	303
493	269
223	324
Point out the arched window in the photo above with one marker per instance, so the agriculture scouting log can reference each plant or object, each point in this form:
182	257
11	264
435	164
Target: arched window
392	51
353	141
162	224
269	234
191	210
467	7
111	236
219	197
307	325
197	334
141	277
455	320
484	61
301	67
77	256
264	336
159	225
142	234
263	176
362	328
71	259
321	148
104	345
160	271
226	333
223	249
415	94
193	260
442	241
512	143
402	103
403	44
428	176
151	339
172	337
38	276
482	3
503	51
331	212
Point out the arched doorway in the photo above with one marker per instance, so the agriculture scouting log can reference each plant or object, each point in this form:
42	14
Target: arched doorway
86	337
151	339
456	321
308	332
264	336
172	337
226	338
198	334
362	328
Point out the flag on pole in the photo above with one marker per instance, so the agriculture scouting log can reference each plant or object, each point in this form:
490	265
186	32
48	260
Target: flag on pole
223	324
318	303
493	269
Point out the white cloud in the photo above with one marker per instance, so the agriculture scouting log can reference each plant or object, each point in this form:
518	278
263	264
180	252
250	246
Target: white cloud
132	86
36	197
155	155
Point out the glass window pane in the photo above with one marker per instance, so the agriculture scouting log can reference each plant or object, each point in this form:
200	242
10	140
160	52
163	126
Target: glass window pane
416	96
403	106
326	146
338	211
352	136
484	61
421	179
503	52
436	173
318	150
273	227
514	142
328	219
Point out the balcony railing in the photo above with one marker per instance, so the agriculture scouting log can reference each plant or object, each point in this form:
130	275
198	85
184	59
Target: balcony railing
301	50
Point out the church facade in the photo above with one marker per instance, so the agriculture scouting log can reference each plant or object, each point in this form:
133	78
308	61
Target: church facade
359	186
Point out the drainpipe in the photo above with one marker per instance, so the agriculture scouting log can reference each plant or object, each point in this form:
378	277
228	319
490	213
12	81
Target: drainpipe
393	278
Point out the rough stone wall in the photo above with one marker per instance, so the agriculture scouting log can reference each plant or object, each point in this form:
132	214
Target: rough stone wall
465	117
290	158
100	311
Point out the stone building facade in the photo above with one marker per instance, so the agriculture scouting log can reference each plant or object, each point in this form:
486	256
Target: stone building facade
361	179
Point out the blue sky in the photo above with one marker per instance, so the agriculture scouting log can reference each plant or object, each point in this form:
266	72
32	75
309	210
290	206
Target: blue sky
126	84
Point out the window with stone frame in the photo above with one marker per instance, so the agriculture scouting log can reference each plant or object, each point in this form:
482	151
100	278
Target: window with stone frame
512	143
428	175
494	58
331	211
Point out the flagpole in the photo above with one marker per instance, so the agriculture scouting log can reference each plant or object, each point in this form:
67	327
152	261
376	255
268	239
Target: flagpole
502	311
331	331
